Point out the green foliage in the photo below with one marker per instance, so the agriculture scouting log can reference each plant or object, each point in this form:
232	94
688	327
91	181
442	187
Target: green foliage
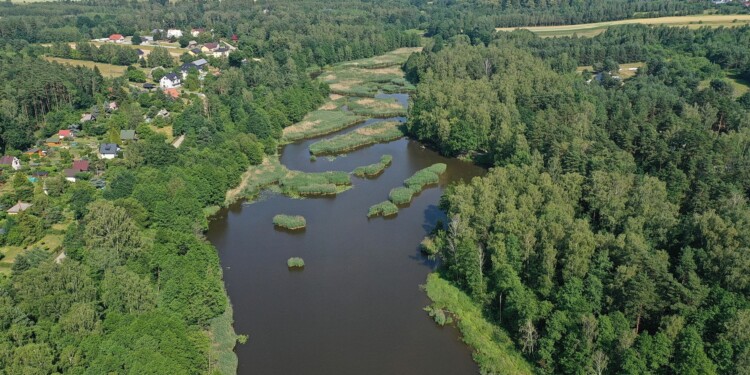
374	169
424	177
400	195
319	123
324	183
295	262
386	208
386	131
289	221
493	351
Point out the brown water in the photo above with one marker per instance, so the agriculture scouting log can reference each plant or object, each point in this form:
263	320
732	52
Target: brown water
356	308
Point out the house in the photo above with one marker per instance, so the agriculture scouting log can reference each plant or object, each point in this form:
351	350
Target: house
149	86
86	117
192	44
18	208
81	165
162	113
116	38
13	161
200	63
209	47
198	31
140	52
195	51
174	33
128	135
35	151
108	151
235	38
53	141
173	93
169	81
65	134
70	174
221	52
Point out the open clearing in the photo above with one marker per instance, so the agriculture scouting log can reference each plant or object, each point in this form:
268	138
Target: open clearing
107	70
626	70
592	29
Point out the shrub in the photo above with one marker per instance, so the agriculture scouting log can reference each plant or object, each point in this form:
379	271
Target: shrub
386	208
295	262
289	221
400	195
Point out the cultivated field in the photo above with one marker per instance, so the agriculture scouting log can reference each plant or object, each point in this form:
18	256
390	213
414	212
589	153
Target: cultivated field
592	29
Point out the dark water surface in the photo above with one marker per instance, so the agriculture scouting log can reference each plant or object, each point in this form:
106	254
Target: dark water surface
356	308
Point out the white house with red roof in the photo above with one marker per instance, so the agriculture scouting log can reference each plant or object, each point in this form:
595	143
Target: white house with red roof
116	38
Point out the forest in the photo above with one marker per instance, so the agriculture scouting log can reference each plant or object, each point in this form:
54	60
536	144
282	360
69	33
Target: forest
610	236
607	237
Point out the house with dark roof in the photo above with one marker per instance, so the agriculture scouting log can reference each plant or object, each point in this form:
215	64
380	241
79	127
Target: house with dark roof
108	151
209	47
170	80
220	52
195	51
149	86
200	63
11	161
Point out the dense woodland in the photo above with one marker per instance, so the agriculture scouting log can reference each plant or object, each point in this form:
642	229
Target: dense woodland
611	237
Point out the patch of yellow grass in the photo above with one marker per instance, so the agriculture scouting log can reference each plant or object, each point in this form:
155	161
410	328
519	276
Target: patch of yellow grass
591	29
107	70
167	131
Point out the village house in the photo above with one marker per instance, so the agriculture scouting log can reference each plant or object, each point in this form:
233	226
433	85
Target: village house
78	167
195	51
86	117
53	141
116	38
221	52
195	32
64	134
127	136
108	151
12	161
35	151
209	47
174	33
172	93
169	81
18	208
149	86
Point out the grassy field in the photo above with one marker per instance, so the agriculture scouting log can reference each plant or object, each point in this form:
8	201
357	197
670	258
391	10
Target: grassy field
377	107
107	70
626	70
739	85
592	29
366	77
380	132
321	122
493	350
174	51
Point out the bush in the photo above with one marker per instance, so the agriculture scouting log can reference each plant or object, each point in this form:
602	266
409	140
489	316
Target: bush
400	195
374	169
386	208
289	221
295	262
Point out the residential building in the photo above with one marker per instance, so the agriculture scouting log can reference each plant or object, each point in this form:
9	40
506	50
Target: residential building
18	208
108	151
12	161
174	33
65	134
127	135
198	31
116	38
169	81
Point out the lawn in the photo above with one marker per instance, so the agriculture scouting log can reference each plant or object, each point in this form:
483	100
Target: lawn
592	29
739	85
107	70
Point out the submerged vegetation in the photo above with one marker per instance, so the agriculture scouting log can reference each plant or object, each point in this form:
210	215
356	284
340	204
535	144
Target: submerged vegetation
295	262
385	131
289	221
386	208
374	169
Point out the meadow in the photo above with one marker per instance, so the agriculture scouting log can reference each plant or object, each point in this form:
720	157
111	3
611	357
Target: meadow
321	122
592	29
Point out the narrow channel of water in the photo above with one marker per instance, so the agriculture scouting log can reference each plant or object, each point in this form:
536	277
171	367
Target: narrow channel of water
356	308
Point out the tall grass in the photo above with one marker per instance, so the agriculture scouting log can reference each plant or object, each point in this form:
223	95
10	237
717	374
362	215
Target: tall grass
374	169
385	131
319	123
377	107
324	183
221	353
289	221
295	262
416	183
386	208
400	195
493	350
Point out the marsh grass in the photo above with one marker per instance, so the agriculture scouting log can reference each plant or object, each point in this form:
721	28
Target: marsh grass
493	350
289	221
374	169
323	183
380	132
386	208
276	177
223	340
425	177
377	107
295	262
320	122
400	195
